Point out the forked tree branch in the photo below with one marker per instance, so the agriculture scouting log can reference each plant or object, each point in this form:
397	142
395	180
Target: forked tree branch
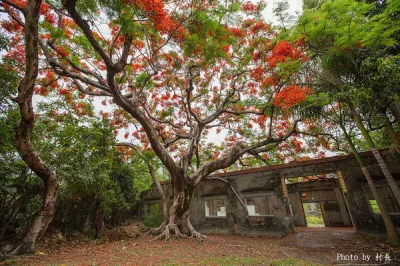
70	6
236	151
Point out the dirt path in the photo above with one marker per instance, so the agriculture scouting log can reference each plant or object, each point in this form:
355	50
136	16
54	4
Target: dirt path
305	247
329	245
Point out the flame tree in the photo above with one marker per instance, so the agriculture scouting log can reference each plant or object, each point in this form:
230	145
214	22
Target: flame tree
176	74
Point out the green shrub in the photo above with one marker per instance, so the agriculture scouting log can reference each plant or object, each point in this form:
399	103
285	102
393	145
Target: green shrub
26	218
154	217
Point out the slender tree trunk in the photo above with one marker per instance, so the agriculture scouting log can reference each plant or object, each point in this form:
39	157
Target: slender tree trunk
155	181
23	136
160	190
99	222
392	234
382	164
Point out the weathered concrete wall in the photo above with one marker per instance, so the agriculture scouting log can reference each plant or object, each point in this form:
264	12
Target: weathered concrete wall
276	221
266	182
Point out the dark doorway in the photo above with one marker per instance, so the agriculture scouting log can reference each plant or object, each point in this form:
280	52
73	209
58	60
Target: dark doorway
331	213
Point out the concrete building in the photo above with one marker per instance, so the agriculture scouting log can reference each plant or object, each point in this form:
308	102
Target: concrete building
276	201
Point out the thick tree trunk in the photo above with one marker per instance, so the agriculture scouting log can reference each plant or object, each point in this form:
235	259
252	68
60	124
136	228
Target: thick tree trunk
41	223
382	164
23	136
392	234
177	224
32	159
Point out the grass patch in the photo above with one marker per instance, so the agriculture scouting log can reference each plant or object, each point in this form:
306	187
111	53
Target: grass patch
314	220
11	261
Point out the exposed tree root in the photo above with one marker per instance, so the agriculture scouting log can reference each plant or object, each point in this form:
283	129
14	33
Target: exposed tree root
157	230
198	236
195	234
171	231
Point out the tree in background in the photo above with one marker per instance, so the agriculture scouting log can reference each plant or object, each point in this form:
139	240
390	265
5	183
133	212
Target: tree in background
336	115
104	190
106	187
350	52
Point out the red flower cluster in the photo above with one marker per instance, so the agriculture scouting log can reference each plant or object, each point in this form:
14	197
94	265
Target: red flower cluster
67	22
138	44
291	95
64	91
50	18
257	73
239	33
270	81
281	52
67	94
40	90
20	3
80	108
44	8
249	7
259	26
11	26
154	10
62	51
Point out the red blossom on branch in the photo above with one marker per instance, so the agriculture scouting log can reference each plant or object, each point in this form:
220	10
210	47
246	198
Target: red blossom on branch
249	7
291	95
282	52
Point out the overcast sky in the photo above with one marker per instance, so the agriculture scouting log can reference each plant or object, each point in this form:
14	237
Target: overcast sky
295	7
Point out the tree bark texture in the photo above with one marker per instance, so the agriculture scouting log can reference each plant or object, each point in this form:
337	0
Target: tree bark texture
24	131
177	222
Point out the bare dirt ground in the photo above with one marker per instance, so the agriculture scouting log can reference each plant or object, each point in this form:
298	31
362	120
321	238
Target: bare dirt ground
308	246
328	246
